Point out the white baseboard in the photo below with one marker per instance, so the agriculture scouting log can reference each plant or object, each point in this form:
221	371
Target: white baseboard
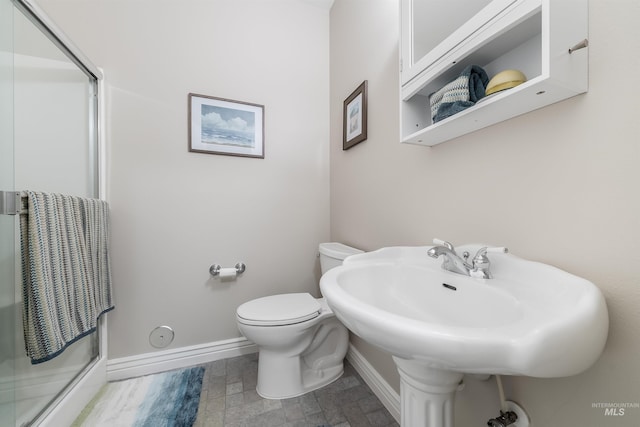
381	388
151	363
160	361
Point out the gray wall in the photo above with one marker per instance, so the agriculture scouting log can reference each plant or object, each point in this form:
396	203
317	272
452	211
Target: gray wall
175	213
558	185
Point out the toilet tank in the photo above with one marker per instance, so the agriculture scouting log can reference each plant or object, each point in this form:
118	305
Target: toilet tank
332	255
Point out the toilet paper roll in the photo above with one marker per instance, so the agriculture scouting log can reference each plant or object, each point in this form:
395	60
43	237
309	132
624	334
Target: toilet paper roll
228	273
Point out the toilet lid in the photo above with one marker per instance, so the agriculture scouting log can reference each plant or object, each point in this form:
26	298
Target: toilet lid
278	310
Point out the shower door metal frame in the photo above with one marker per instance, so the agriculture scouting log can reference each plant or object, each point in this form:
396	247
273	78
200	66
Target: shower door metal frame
40	19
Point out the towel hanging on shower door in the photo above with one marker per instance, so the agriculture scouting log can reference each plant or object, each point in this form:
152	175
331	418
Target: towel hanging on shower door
66	274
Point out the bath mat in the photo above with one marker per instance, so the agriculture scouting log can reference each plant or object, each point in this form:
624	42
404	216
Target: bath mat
168	399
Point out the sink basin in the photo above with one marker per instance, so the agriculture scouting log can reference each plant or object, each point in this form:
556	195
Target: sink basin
529	319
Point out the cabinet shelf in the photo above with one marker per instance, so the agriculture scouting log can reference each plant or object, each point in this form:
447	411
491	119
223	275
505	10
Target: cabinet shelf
521	36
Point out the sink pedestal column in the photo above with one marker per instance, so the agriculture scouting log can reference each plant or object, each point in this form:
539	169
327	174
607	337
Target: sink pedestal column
426	394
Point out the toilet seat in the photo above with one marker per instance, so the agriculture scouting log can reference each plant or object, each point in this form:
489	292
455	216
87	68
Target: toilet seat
279	310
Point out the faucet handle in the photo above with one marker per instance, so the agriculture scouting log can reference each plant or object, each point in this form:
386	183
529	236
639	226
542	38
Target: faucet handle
481	255
443	243
497	250
481	263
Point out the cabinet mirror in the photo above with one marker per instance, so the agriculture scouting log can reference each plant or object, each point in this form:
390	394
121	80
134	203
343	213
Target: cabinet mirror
434	20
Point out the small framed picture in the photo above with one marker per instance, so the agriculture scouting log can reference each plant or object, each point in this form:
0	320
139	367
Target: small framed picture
224	126
355	117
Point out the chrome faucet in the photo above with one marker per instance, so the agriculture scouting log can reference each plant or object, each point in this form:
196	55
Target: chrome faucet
479	266
452	262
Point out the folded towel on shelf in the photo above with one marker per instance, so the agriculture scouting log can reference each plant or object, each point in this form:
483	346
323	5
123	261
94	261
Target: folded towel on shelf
66	273
459	94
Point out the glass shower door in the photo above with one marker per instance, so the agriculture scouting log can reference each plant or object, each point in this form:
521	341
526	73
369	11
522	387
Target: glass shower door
7	237
48	142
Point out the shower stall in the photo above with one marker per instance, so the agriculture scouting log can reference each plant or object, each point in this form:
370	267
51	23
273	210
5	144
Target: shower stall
49	141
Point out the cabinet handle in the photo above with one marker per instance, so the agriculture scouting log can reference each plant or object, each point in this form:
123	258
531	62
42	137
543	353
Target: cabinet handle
584	43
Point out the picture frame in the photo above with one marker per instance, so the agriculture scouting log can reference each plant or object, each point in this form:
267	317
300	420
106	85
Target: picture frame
354	118
225	126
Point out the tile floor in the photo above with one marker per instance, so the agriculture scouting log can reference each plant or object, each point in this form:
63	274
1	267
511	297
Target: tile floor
229	399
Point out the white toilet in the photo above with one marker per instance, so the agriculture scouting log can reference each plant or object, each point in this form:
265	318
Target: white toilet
301	343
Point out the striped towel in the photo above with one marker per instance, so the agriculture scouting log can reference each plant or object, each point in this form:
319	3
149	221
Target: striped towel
459	94
66	275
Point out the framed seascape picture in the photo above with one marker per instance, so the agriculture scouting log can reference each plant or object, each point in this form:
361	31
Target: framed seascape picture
354	120
224	126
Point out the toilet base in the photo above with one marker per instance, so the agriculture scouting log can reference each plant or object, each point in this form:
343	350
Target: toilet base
298	358
284	378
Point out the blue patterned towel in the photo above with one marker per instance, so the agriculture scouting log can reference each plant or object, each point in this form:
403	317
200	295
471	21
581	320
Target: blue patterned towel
66	274
460	94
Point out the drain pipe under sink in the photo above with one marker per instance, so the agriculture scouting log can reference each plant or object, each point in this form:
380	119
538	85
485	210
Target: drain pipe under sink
511	414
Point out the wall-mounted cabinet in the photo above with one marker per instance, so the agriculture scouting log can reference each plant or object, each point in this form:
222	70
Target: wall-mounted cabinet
533	36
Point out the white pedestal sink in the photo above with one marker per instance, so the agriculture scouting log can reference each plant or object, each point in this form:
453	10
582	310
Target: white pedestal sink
426	394
530	319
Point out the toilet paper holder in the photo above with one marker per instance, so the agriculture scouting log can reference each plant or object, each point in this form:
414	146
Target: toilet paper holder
214	270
